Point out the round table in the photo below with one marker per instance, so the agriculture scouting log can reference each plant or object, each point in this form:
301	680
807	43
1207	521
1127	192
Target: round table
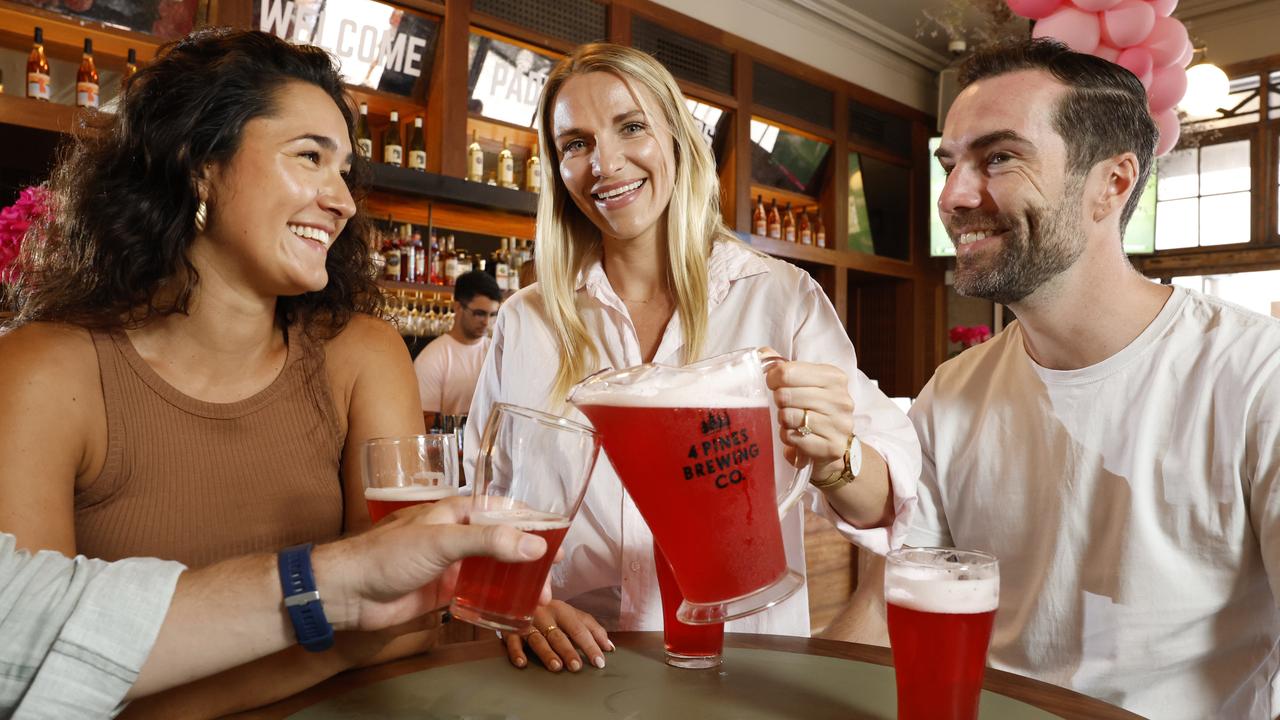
763	677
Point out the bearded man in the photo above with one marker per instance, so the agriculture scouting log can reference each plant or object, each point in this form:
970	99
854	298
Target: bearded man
1118	446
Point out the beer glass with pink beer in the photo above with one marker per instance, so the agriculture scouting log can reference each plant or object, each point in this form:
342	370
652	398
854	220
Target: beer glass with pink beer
404	471
694	446
531	473
940	603
687	646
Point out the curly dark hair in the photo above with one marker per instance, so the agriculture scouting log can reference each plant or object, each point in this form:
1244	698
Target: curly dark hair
115	251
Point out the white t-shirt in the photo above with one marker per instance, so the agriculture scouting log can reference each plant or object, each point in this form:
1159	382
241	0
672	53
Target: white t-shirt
447	372
1131	504
753	301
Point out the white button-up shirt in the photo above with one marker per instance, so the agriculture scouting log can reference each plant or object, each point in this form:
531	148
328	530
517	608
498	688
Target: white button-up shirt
754	301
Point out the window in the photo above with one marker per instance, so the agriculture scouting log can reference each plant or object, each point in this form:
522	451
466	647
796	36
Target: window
1204	196
1257	291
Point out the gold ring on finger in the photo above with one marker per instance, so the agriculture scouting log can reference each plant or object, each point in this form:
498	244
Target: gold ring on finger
804	428
549	629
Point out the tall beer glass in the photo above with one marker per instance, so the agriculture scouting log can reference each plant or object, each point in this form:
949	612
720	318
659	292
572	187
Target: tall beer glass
940	603
404	471
531	474
694	448
687	646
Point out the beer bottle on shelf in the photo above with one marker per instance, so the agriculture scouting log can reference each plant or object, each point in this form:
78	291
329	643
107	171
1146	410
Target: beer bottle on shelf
501	267
506	166
806	230
475	159
533	171
820	232
392	144
417	147
789	225
87	78
391	271
38	69
364	138
130	65
774	221
760	218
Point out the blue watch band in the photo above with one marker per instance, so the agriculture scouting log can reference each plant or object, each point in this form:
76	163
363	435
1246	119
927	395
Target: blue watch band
302	600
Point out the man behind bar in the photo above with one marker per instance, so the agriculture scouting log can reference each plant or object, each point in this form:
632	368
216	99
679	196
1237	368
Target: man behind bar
1118	446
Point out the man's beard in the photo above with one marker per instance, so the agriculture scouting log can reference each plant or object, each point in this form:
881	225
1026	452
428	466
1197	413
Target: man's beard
1038	245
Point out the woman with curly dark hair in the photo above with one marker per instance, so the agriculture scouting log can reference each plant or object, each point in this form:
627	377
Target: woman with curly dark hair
194	361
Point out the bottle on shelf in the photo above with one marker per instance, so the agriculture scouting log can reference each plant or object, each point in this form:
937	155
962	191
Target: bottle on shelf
506	166
392	144
805	231
417	147
515	260
408	260
502	266
435	262
38	69
475	159
820	231
774	221
533	171
391	270
364	138
760	218
87	78
450	262
130	65
789	225
419	259
466	263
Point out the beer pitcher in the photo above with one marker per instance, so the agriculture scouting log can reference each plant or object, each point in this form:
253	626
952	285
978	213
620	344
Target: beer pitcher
695	448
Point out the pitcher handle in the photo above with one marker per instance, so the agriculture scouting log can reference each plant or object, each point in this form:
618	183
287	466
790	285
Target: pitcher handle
801	479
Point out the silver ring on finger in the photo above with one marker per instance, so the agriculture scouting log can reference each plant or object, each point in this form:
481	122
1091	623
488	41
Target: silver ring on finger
804	429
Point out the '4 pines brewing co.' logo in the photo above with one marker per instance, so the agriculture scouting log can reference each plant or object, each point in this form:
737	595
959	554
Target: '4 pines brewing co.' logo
722	452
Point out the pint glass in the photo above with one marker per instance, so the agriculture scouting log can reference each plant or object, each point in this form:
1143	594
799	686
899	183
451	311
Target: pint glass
404	471
687	646
694	447
940	604
531	474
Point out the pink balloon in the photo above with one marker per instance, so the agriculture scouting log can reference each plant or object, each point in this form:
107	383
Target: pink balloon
1167	41
1108	53
1095	5
1168	85
1078	29
1128	23
1034	9
1187	55
1170	129
1164	8
1137	60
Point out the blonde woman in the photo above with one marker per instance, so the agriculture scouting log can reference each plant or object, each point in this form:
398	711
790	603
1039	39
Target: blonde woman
635	265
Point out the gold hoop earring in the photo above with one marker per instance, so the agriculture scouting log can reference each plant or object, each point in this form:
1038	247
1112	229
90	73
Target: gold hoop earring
202	216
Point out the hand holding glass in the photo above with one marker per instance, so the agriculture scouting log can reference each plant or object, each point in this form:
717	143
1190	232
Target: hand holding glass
403	471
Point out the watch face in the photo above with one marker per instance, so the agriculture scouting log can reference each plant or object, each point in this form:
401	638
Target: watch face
854	457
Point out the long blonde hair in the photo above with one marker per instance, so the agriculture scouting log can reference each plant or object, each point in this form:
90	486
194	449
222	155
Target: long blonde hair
567	239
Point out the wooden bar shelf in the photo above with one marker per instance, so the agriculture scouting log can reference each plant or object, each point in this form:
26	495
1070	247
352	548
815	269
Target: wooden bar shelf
860	262
37	114
451	189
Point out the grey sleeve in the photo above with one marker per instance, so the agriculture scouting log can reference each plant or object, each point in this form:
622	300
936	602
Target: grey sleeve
74	633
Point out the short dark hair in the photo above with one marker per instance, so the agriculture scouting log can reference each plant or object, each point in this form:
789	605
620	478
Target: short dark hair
115	252
1103	113
477	282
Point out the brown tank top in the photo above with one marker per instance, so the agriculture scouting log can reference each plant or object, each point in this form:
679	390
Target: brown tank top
200	482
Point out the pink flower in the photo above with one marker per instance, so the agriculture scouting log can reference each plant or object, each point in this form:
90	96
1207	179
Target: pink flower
967	336
32	205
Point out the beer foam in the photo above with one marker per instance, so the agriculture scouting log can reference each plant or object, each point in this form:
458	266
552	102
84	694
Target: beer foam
522	519
664	387
410	493
935	592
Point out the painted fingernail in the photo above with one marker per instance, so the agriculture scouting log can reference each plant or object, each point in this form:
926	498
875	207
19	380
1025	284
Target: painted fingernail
575	665
554	664
611	648
598	661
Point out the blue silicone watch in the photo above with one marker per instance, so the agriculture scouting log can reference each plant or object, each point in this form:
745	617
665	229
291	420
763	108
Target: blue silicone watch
302	599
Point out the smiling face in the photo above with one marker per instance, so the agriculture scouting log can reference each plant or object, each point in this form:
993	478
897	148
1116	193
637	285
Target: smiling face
278	204
615	153
1009	204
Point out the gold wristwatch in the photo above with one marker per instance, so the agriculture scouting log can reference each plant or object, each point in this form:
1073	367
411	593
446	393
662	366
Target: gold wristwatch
852	466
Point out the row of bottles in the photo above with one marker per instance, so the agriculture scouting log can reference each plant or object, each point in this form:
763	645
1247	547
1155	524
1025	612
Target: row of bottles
40	87
403	256
783	225
506	174
393	142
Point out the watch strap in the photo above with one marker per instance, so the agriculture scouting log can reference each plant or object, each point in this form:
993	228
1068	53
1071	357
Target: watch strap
302	599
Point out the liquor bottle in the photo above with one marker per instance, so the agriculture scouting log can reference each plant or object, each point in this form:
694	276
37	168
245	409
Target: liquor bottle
130	65
38	69
789	225
820	231
450	262
417	147
391	271
774	221
392	144
533	171
87	78
466	263
502	267
475	159
435	262
419	259
514	262
364	138
760	218
805	233
506	166
408	259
